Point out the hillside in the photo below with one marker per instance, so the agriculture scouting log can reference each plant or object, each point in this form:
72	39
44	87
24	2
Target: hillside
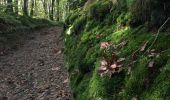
119	49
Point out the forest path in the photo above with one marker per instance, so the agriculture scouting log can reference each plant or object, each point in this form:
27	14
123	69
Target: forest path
36	70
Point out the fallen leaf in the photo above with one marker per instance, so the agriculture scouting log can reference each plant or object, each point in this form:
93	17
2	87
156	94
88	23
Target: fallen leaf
129	70
144	46
153	50
104	45
122	44
120	61
134	98
66	81
119	66
1	53
55	69
152	53
99	36
104	63
114	57
113	66
131	64
57	51
119	70
102	70
151	64
109	73
134	55
103	67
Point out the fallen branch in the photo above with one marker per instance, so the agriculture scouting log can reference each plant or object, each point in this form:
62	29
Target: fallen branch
159	30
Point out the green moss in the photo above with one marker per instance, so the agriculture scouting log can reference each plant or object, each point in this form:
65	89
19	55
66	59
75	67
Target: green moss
105	22
79	24
10	20
72	17
99	10
161	88
137	81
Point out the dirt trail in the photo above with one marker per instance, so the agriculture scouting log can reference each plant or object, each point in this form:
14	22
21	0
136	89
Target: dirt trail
36	70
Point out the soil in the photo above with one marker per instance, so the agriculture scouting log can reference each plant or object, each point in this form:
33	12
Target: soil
36	70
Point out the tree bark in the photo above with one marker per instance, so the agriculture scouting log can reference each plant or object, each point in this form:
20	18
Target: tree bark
44	2
52	10
5	1
49	8
25	8
32	8
9	8
16	6
58	10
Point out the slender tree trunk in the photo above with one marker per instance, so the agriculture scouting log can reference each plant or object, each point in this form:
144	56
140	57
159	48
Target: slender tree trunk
5	1
58	10
25	7
45	7
49	8
32	8
1	2
52	10
35	7
9	8
16	6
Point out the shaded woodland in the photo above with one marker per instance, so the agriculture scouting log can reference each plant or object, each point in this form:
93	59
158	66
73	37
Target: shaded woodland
113	49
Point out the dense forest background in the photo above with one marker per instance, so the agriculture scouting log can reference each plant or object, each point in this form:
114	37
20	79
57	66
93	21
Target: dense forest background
51	9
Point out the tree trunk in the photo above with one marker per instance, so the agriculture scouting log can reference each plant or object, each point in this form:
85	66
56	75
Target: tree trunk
35	7
32	8
16	6
49	8
5	2
25	7
58	9
9	8
52	10
45	7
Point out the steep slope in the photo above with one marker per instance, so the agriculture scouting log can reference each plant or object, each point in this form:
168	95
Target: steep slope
128	30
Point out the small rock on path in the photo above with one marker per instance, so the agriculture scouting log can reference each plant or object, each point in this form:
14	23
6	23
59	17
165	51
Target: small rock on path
36	70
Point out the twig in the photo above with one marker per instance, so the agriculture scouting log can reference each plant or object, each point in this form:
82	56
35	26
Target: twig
159	30
154	39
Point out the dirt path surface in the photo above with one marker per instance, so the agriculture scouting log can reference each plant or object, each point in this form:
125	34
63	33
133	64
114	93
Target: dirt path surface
36	70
